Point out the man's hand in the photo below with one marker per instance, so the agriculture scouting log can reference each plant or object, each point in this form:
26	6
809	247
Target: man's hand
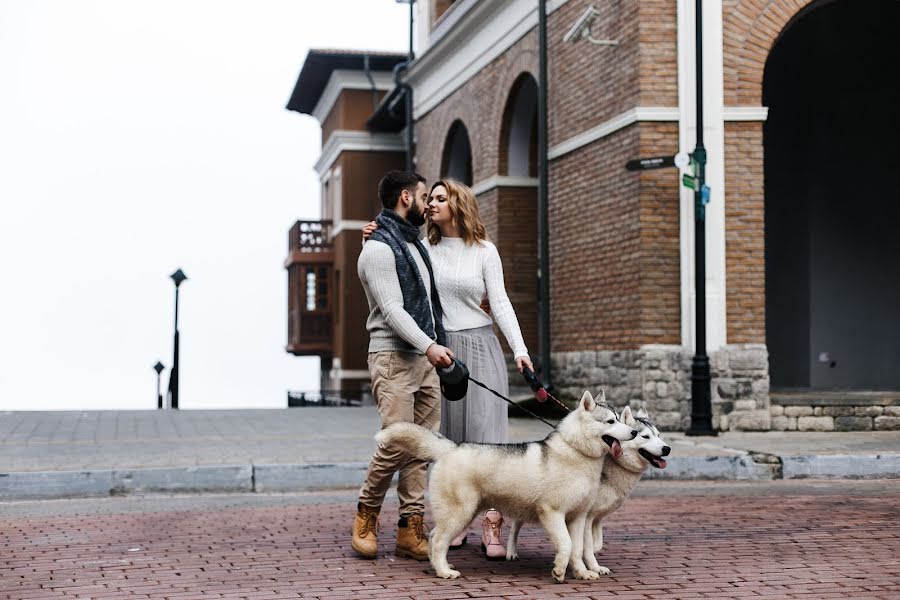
485	305
522	362
439	356
369	229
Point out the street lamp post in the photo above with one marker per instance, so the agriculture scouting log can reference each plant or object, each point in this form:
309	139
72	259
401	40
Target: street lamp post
701	398
178	277
158	367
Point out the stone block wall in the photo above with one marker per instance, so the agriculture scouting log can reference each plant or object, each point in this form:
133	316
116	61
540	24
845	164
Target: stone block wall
658	378
835	411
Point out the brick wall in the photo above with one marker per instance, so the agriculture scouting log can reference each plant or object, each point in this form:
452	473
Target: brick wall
745	258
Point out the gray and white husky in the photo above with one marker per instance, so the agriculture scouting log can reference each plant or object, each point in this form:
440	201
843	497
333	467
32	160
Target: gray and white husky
618	478
553	481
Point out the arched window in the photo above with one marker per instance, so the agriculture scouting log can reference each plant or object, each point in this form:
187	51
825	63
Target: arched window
457	159
518	135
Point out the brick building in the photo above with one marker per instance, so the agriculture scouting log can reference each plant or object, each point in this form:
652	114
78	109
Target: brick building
803	265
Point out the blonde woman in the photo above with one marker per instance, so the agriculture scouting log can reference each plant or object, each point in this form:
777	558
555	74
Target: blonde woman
467	269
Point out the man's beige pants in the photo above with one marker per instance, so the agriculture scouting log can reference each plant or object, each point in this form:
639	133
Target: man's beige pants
406	388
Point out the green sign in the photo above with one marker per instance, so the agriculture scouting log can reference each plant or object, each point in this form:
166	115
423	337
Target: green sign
688	181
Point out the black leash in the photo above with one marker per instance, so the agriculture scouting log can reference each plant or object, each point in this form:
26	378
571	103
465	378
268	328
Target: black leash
522	408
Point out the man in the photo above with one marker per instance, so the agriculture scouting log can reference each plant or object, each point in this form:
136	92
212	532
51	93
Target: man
406	343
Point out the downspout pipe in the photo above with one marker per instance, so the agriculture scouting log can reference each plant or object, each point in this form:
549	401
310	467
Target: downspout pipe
368	70
399	69
543	199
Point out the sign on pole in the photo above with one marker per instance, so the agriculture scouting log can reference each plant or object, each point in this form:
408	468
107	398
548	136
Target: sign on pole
680	160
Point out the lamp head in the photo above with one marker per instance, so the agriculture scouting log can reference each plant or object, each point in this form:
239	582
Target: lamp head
178	277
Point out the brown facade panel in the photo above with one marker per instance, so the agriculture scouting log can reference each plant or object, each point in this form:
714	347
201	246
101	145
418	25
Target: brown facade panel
351	340
351	110
595	252
745	260
360	174
660	261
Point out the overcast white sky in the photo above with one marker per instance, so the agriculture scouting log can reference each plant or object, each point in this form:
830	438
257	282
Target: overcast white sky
137	137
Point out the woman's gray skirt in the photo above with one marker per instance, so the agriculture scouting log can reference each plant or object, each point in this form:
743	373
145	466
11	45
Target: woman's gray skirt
479	416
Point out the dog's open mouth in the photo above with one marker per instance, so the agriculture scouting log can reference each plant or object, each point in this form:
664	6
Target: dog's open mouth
614	446
656	461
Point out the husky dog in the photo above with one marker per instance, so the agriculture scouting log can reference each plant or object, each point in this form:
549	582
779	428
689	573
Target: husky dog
617	480
553	481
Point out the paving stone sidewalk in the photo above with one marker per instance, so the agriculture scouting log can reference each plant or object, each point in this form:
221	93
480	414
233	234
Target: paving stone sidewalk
79	453
787	544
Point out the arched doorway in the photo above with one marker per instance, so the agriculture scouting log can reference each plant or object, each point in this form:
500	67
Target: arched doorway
457	159
832	193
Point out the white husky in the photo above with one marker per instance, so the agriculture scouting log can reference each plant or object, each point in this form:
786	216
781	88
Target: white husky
617	480
553	481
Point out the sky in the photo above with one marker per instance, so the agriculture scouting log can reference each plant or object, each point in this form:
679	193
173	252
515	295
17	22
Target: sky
138	137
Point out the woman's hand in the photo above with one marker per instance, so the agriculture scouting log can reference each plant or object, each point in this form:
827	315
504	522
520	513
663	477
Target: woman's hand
522	362
369	229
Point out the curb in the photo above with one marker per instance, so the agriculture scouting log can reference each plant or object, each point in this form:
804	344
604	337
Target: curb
265	478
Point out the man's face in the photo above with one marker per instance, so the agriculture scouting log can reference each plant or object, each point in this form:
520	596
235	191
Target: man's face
416	213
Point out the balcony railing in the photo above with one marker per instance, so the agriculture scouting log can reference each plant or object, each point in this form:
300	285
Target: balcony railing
310	236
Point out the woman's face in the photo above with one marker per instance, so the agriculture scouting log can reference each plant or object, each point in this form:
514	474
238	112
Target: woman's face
439	206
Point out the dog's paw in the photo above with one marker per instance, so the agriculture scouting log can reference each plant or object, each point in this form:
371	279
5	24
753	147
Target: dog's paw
585	574
600	569
449	566
512	556
559	574
448	574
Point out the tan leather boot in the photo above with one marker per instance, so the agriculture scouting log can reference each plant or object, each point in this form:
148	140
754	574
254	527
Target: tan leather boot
365	532
412	539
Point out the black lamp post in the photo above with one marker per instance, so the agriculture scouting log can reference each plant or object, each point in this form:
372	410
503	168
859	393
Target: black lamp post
178	277
158	367
701	398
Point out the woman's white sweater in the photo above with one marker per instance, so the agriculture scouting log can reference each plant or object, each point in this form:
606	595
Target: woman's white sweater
464	274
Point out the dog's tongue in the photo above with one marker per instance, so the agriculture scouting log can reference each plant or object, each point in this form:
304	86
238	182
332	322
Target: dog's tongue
662	463
616	449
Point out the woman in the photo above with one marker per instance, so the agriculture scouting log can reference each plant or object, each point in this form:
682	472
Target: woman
467	269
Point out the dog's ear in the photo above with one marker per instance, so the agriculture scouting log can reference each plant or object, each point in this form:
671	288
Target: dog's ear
627	417
602	398
642	413
587	401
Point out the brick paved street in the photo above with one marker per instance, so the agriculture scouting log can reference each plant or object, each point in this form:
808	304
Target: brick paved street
674	540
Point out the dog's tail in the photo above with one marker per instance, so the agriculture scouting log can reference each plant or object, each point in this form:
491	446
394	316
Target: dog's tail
415	440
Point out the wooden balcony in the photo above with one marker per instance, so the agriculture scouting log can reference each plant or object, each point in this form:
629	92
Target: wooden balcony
310	280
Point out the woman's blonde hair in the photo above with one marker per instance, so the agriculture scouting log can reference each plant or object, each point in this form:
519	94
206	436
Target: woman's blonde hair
463	213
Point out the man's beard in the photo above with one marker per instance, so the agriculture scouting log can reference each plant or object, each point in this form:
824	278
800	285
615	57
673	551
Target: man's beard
415	216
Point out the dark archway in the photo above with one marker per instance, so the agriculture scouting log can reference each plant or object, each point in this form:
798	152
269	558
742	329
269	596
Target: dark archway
832	85
457	159
518	134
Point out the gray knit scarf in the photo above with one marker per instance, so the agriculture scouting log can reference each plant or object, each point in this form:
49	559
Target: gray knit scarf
395	231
